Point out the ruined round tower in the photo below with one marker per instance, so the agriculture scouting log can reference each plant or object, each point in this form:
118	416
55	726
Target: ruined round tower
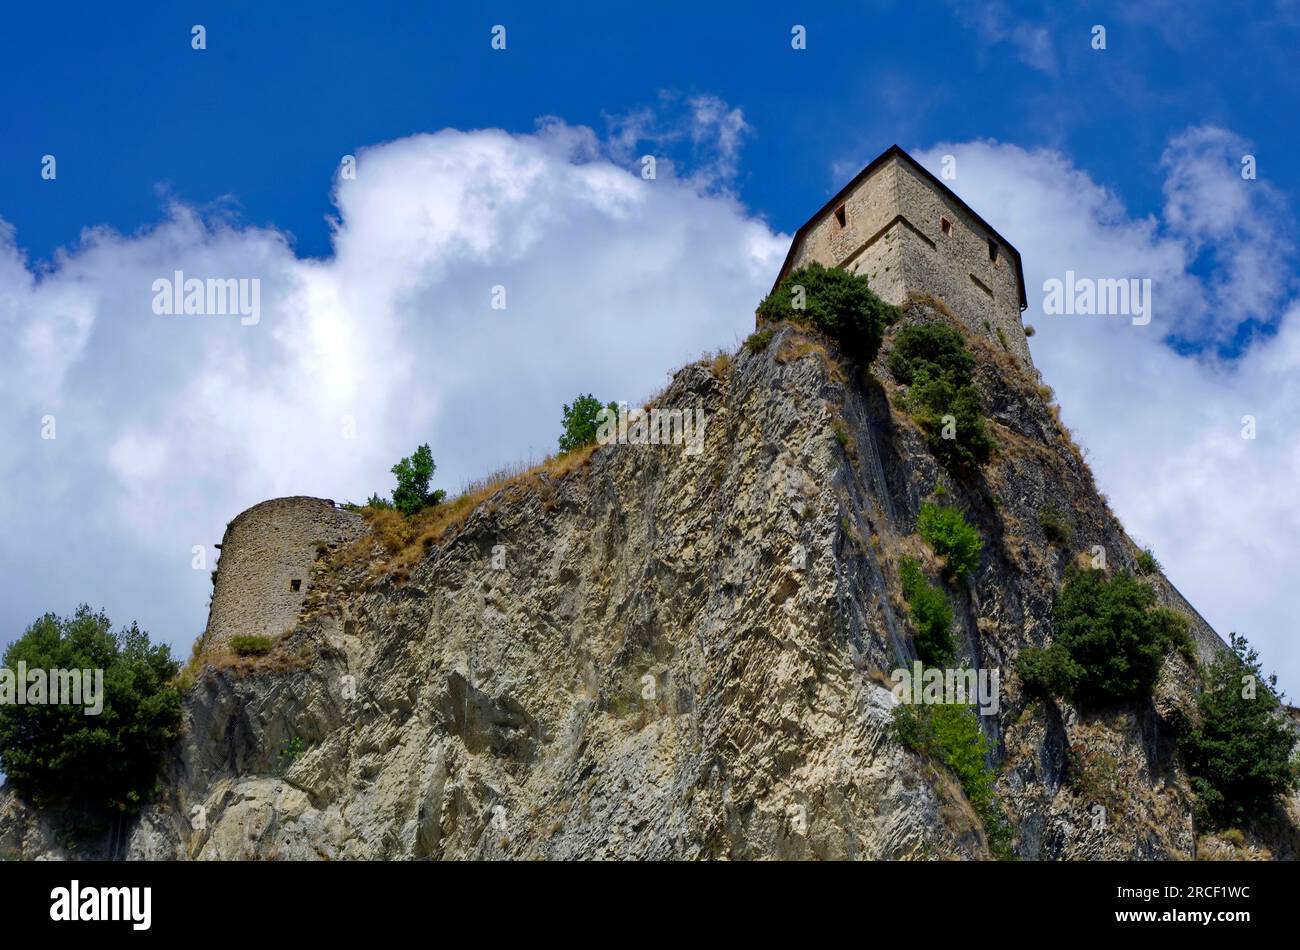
265	570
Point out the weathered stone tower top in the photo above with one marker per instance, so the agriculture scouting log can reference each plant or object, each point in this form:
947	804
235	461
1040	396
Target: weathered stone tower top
909	233
265	569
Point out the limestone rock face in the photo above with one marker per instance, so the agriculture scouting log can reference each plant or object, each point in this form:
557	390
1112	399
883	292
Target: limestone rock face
661	654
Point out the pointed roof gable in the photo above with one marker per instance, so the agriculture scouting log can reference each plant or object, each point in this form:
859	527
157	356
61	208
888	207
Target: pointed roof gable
895	151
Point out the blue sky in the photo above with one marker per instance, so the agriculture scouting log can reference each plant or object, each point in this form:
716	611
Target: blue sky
281	92
1116	162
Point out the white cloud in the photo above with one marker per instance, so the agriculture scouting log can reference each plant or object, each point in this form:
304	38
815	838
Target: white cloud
996	24
169	426
714	130
1241	225
1164	430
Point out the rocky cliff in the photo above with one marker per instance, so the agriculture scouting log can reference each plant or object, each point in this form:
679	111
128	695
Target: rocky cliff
650	653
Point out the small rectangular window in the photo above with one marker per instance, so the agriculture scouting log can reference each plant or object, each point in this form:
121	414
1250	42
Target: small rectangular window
295	584
993	250
945	226
841	216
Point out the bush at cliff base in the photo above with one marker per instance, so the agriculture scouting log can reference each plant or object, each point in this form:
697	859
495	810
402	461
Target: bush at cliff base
90	768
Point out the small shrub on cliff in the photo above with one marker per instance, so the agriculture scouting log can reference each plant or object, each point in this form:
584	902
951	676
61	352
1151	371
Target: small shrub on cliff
950	733
1050	671
952	537
1175	630
1147	563
932	360
88	767
1110	639
1094	775
189	673
1234	837
290	752
412	492
582	420
930	613
1240	755
929	349
251	645
834	301
842	434
757	341
1056	526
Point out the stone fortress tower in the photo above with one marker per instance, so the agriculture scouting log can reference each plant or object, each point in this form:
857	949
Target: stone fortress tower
909	233
266	563
895	222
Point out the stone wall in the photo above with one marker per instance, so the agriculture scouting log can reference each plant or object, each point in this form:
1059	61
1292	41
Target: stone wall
867	242
266	565
957	266
893	234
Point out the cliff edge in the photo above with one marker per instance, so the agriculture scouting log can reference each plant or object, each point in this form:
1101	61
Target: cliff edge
647	652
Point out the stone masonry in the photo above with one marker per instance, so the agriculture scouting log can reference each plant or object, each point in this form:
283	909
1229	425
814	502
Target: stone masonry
267	558
910	234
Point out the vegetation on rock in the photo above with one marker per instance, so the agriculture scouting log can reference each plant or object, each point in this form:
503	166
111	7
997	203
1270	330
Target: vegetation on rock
930	613
1056	525
290	752
1093	773
932	360
412	493
950	733
1147	563
1239	755
951	537
582	420
90	767
757	341
838	303
1110	639
251	645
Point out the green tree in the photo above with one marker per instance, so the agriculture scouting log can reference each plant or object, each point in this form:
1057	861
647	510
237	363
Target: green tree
581	420
90	767
951	537
1110	640
413	476
932	360
930	613
1240	754
1050	671
950	732
838	303
930	349
1146	562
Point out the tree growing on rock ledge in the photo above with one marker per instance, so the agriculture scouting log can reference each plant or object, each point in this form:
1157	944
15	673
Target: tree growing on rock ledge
836	302
1240	753
581	420
932	359
412	492
1110	639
